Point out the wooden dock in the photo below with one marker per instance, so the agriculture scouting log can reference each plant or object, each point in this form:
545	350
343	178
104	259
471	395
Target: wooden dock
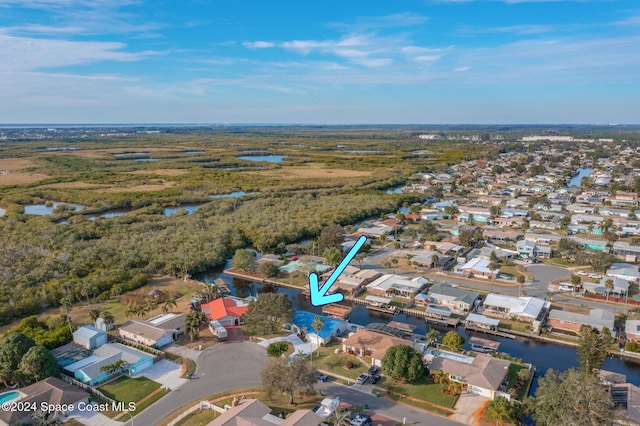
336	311
488	331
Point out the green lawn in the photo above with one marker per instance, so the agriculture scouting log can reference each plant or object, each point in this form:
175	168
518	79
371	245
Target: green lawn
512	376
425	390
520	326
127	389
334	363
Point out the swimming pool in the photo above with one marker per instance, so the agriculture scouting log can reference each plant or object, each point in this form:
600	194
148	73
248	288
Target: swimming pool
455	357
9	396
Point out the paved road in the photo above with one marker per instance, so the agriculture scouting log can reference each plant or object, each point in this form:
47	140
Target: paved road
361	395
543	275
232	365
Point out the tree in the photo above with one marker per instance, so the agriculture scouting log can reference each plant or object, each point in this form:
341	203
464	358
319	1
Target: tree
192	324
12	349
269	313
45	418
576	280
454	388
332	255
500	410
108	318
453	340
282	375
168	303
434	260
493	257
268	270
432	336
403	361
276	349
608	284
331	236
520	279
114	367
243	260
572	398
593	347
440	377
317	325
94	314
38	363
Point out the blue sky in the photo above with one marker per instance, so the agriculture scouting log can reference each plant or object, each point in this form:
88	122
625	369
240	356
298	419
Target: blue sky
332	62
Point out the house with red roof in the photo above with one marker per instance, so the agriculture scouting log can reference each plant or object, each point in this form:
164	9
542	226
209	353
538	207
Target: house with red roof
226	311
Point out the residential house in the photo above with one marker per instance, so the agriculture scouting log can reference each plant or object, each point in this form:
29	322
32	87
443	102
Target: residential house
515	204
630	251
632	330
624	271
170	321
477	267
89	337
425	258
625	199
571	321
528	249
370	343
501	234
620	286
529	309
226	311
353	280
543	238
303	321
510	212
482	375
433	214
51	392
390	285
599	245
91	370
453	297
477	214
249	412
147	334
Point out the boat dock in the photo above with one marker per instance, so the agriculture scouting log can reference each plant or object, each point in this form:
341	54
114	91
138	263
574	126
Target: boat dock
336	311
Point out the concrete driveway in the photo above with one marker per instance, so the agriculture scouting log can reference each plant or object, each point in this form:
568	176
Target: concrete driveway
221	367
166	373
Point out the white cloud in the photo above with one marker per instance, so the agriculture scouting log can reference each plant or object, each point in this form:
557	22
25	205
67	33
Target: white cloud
24	53
258	44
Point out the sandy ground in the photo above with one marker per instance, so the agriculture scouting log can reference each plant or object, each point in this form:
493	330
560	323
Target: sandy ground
20	178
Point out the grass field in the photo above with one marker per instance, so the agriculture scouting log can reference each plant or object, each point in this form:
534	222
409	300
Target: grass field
127	389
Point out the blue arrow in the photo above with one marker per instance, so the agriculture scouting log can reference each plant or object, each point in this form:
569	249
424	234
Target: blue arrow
319	295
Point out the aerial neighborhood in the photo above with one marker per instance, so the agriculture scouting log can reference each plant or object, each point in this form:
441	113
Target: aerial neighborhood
456	305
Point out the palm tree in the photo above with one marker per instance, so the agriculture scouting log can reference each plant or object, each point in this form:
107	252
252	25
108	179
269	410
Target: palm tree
317	325
433	336
65	308
454	388
94	314
434	260
360	257
520	281
114	367
108	318
131	311
499	410
608	284
166	307
440	377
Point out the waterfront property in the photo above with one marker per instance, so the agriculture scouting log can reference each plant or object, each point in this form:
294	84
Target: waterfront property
482	375
353	280
529	309
390	285
303	321
452	297
572	321
51	392
481	322
370	343
632	330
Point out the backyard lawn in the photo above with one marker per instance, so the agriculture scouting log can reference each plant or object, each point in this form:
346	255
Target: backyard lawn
127	389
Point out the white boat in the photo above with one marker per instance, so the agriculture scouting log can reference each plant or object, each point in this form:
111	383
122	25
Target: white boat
327	407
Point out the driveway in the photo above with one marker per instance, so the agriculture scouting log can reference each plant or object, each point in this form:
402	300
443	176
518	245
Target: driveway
182	351
382	406
298	344
221	367
166	373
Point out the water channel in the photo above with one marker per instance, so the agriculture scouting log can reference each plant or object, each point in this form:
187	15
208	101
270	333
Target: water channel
577	178
542	355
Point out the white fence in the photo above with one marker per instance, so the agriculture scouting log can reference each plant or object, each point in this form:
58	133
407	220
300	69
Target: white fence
203	405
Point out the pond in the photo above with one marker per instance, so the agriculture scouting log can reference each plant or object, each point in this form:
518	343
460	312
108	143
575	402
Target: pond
45	210
577	178
236	194
267	158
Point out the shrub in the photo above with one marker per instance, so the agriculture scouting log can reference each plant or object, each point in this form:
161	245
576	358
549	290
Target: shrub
276	349
348	364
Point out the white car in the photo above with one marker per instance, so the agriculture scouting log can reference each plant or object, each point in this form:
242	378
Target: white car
584	273
596	276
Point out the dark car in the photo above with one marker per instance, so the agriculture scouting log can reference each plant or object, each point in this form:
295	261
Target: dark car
373	370
374	379
323	378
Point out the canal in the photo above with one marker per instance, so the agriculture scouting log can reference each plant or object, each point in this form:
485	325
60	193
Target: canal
576	180
541	354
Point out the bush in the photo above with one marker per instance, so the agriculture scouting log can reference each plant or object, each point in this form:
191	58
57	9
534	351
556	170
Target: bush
347	364
632	347
276	349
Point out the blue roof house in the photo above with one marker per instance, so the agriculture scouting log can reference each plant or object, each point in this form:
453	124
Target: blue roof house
303	320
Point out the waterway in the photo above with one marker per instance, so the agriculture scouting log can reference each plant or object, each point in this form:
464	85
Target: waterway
541	354
577	178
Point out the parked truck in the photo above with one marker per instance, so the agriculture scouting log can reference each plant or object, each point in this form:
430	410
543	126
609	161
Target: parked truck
218	330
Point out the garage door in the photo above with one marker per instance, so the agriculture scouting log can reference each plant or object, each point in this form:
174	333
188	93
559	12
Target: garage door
143	365
480	391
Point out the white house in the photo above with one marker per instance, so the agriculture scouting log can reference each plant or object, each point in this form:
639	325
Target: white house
624	271
89	337
526	308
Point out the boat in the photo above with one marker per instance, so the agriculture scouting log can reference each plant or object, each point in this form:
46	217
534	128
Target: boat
483	345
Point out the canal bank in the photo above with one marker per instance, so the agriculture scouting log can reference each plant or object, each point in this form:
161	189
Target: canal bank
542	353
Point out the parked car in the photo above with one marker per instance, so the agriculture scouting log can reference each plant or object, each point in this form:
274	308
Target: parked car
363	378
374	379
583	273
323	378
373	370
361	419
